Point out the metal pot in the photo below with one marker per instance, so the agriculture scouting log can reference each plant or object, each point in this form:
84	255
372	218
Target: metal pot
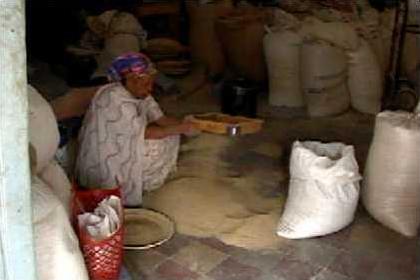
239	97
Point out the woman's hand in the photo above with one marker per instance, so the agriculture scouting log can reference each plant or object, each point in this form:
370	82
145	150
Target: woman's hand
157	132
190	129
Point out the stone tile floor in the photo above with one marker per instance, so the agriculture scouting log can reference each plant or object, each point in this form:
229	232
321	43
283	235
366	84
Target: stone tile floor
363	251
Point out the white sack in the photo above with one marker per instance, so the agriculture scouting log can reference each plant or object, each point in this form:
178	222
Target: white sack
391	192
55	177
323	75
43	129
365	80
105	220
282	53
57	250
323	191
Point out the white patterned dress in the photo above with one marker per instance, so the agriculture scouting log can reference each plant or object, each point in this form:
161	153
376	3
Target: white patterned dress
112	148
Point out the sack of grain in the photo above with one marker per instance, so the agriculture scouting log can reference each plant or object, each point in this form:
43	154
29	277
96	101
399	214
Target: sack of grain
55	177
369	28
323	74
391	188
323	191
115	46
43	130
205	45
340	34
282	53
365	80
56	246
164	48
241	32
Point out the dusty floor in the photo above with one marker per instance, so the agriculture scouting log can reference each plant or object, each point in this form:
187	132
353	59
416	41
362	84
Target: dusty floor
365	250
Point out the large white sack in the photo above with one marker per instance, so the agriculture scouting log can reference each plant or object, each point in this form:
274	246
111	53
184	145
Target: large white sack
391	190
43	129
340	34
57	251
365	80
55	177
282	53
323	75
323	191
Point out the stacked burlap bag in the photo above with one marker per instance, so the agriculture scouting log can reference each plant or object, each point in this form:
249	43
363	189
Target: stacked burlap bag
56	245
365	79
121	33
282	47
241	32
391	189
205	45
324	74
323	64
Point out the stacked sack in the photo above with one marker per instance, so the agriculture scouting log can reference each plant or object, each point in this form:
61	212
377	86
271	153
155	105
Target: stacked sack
282	46
205	45
391	191
169	56
120	32
324	59
56	246
241	33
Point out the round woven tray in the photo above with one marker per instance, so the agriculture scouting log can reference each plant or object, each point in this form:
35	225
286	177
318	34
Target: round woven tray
145	229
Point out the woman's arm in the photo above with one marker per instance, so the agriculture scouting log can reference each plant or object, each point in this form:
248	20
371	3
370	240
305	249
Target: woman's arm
165	121
155	131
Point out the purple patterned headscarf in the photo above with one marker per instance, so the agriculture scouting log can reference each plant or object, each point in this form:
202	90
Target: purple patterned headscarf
127	63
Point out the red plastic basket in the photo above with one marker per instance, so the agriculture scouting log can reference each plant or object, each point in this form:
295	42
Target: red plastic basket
103	258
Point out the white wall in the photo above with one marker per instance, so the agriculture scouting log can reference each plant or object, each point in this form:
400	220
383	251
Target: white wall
16	238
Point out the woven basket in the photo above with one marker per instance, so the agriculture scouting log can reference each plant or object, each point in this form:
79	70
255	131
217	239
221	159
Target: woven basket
221	124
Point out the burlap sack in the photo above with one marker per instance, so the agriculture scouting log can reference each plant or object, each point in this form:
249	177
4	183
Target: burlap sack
241	32
365	80
57	251
391	191
204	43
282	53
324	79
43	129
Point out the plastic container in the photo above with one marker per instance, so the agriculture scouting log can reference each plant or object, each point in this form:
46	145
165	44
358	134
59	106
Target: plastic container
103	258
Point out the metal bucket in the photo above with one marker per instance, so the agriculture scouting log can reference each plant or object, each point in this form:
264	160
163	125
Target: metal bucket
239	97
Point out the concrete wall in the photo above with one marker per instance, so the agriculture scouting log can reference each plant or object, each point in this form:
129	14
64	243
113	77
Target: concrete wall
16	234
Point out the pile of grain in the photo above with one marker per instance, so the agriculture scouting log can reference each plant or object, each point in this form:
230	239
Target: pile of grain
206	198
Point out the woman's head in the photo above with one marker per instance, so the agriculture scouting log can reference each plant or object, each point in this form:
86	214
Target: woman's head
135	71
